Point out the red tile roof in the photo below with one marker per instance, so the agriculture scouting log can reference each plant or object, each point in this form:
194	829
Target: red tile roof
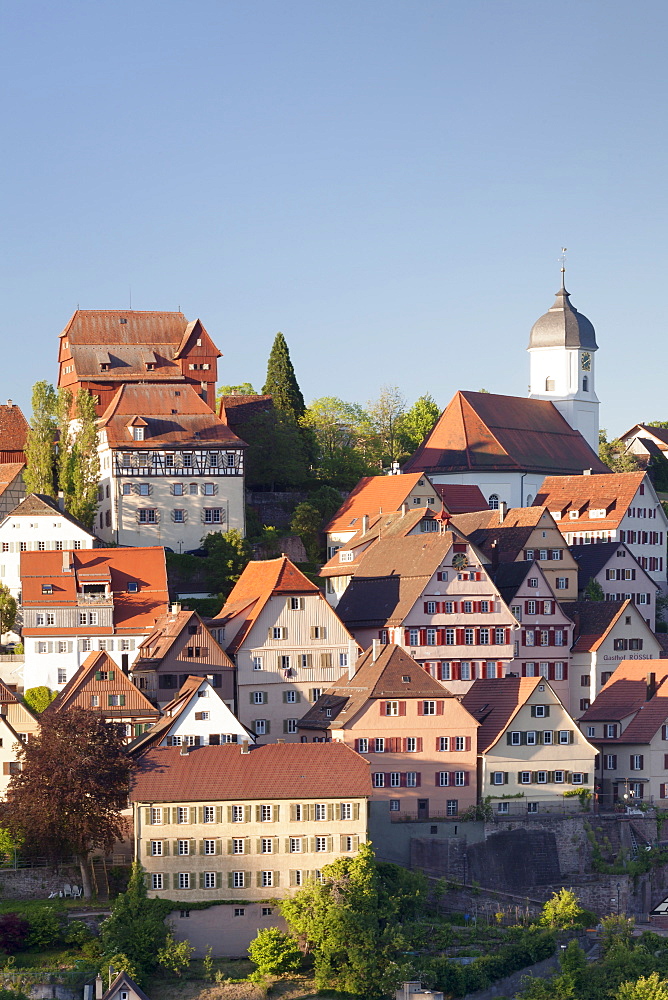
395	525
626	694
612	493
174	415
480	431
236	409
495	703
39	505
260	580
373	495
593	621
461	499
272	771
13	428
132	612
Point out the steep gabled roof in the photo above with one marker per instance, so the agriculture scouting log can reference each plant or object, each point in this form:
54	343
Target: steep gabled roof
460	498
393	674
483	432
261	580
13	428
395	525
79	689
172	712
270	772
645	432
510	576
391	576
627	692
124	982
593	621
495	703
167	631
612	493
236	409
373	495
40	505
173	415
9	471
592	559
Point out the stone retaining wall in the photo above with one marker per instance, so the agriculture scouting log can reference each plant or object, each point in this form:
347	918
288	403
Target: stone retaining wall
36	883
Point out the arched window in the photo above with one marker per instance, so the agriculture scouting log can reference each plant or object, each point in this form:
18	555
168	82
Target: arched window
494	501
549	385
529	500
585	383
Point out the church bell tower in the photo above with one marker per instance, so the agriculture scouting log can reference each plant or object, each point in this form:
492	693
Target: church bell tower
562	348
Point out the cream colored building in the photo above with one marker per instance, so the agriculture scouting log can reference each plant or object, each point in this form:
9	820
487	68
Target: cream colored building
531	753
249	824
606	632
288	645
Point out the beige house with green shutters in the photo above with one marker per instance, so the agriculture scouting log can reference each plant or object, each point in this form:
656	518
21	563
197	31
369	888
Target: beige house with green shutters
234	822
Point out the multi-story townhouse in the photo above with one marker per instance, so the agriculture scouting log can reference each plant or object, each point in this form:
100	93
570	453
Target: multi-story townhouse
523	534
530	752
101	349
646	443
375	495
628	725
543	643
620	507
418	739
178	647
244	824
17	725
100	687
344	563
198	716
505	445
13	434
432	595
37	524
287	643
606	632
170	470
622	578
79	601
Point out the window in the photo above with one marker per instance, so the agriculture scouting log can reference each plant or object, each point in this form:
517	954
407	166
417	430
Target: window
562	583
179	515
429	708
209	880
532	807
266	845
452	807
237	814
379	744
266	814
497	777
525	777
493	501
209	846
238	882
183	847
363	745
395	805
209	814
259	697
156	848
637	761
559	777
209	489
257	663
62	673
321	843
156	815
411	744
610	731
577	778
295	845
515	739
378	779
395	779
148	515
157	880
213	515
502	807
260	727
565	736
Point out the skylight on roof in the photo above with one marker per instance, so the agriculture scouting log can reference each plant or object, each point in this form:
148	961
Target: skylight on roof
406	679
353	521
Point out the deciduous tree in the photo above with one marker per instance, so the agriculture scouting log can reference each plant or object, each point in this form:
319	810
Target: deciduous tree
39	698
68	797
7	610
228	554
136	927
614	454
40	444
386	413
274	952
417	422
594	590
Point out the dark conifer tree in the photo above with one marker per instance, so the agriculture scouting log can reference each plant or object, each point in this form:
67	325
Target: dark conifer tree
281	381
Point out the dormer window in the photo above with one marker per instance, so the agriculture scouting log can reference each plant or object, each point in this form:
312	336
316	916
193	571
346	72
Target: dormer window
47	588
137	433
574	514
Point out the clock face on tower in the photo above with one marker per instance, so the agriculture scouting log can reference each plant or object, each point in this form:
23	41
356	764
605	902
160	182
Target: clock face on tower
585	361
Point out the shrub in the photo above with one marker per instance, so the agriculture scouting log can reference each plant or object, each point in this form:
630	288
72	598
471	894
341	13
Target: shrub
77	932
121	963
274	952
176	955
46	927
39	698
14	931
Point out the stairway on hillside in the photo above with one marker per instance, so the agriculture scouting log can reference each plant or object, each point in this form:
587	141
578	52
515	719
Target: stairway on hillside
99	875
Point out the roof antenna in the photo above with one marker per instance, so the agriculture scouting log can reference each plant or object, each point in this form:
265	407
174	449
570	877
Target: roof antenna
562	261
130	298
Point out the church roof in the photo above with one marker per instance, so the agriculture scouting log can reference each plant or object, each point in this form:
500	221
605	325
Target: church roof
563	326
484	432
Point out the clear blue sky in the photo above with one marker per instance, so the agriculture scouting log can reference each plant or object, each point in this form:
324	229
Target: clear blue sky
388	183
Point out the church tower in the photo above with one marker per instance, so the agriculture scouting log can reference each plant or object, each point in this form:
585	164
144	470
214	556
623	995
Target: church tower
561	349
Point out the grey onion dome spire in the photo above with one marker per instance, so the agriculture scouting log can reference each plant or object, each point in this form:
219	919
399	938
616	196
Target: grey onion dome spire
563	326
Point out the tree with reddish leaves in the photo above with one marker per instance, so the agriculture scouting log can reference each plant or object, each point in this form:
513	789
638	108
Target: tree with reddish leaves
67	798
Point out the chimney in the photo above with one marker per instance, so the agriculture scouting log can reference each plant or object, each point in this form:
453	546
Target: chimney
404	509
495	554
175	608
67	561
244	746
9	403
280	741
183	752
586	472
352	665
365	523
503	510
61	501
651	686
98	987
375	652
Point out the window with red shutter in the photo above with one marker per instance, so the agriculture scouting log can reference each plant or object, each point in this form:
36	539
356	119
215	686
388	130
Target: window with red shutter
468	742
466	777
423	637
382	707
665	761
440	707
418	779
402	707
460	636
403	779
420	744
420	708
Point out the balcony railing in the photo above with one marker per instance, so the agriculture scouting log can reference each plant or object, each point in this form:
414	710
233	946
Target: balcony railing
100	600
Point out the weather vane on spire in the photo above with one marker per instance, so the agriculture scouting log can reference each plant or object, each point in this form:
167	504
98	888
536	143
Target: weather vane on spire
562	261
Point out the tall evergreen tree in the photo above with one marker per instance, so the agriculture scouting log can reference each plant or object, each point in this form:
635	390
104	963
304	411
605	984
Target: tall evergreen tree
40	446
281	381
